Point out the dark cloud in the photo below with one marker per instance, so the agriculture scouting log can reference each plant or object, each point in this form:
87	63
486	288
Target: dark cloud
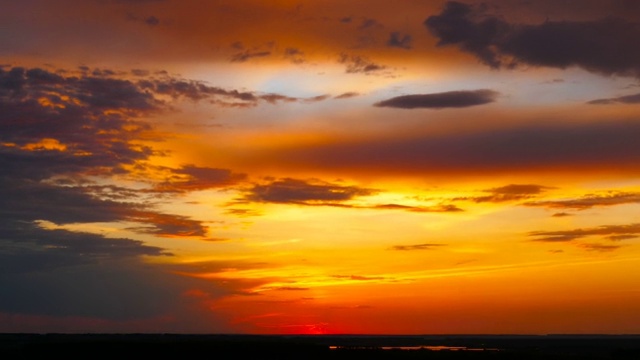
194	90
26	247
140	72
316	98
561	214
295	55
197	91
449	99
368	23
398	40
347	95
248	55
305	192
28	201
593	45
61	134
274	98
167	225
418	209
360	64
611	198
116	290
152	21
112	295
627	99
31	201
192	178
242	212
416	247
604	145
600	247
57	131
512	192
610	232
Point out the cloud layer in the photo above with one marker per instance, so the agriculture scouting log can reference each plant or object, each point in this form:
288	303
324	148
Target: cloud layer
449	99
594	45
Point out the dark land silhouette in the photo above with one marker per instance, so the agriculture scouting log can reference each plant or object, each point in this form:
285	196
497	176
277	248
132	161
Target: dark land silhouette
499	347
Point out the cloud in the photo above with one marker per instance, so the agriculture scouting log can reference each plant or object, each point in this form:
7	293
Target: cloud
610	232
166	225
248	55
33	201
65	135
304	192
416	247
558	146
152	21
360	64
449	99
611	198
193	90
192	178
62	131
316	98
178	88
627	99
593	45
399	40
242	212
347	95
244	54
561	214
600	247
368	23
112	295
622	237
294	55
358	277
512	192
443	208
27	247
290	288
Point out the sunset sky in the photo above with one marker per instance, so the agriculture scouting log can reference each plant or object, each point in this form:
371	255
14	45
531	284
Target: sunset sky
320	166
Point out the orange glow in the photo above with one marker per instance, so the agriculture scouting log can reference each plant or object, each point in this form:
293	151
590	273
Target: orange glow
45	144
320	167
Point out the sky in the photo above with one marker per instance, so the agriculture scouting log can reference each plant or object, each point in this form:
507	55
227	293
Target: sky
320	166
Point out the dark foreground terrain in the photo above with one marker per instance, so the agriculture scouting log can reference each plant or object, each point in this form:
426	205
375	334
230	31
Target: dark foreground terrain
104	346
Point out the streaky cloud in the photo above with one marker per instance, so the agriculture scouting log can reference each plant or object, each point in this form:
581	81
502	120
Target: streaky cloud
595	146
626	99
449	99
612	198
304	192
426	246
610	232
511	192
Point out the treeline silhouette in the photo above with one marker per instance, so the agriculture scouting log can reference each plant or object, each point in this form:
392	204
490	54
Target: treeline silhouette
105	346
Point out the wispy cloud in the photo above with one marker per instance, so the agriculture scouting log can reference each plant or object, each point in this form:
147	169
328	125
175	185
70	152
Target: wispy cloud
511	192
425	246
608	232
611	198
304	192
